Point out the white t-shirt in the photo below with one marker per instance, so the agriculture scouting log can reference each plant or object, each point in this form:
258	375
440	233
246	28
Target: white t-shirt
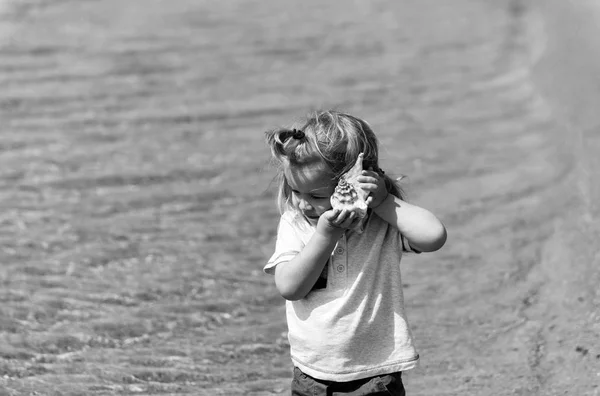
352	325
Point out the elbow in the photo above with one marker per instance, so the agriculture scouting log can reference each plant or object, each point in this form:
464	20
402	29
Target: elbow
440	238
292	296
435	240
290	293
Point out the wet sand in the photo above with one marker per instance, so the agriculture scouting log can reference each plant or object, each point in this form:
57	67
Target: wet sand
568	80
138	211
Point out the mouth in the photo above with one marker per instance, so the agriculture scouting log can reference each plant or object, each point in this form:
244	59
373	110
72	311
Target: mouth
312	217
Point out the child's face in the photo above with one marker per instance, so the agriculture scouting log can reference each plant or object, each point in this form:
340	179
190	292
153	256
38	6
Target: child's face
312	187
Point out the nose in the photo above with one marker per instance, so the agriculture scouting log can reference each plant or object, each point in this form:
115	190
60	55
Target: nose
304	205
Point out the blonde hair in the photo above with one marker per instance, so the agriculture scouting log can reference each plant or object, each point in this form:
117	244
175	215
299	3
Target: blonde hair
330	136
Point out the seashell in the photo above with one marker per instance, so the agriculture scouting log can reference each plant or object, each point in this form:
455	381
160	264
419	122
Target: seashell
348	194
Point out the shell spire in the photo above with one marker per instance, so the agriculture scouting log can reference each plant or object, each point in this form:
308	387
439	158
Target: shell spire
348	194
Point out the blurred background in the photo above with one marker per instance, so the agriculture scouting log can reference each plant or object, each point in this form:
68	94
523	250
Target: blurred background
138	204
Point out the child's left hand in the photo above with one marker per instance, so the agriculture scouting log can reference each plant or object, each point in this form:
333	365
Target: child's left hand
374	184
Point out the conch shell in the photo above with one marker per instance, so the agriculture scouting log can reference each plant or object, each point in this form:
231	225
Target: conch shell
348	194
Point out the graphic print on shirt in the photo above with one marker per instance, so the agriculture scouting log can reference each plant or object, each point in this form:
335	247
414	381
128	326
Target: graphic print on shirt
321	283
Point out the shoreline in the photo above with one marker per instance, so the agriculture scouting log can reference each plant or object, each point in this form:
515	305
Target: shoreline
566	76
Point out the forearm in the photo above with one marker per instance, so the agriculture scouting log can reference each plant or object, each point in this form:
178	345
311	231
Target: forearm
294	279
424	231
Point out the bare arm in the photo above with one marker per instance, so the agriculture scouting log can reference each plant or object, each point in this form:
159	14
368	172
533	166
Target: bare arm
424	231
295	278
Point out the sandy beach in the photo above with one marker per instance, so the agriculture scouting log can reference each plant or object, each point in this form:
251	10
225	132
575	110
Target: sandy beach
568	79
138	205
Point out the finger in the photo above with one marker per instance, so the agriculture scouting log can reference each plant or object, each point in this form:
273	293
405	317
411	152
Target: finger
367	180
348	220
368	186
341	216
354	222
369	173
331	215
369	200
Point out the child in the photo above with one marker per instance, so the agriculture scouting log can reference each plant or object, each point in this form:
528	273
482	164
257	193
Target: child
347	327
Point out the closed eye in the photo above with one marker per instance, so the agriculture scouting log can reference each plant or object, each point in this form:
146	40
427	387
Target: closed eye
315	197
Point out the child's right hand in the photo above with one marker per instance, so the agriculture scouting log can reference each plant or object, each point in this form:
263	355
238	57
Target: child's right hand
335	222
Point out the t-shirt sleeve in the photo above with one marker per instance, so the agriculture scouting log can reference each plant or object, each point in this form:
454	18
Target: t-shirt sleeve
406	248
287	245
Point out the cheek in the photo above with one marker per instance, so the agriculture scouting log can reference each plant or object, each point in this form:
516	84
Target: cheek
322	206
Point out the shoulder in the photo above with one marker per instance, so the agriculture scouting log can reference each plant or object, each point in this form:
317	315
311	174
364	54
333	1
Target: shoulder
289	216
376	223
392	236
374	230
377	233
293	221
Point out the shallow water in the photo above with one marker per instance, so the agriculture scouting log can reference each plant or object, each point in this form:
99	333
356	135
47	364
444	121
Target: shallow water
137	197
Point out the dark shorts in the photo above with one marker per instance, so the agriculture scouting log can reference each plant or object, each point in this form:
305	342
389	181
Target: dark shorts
388	384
